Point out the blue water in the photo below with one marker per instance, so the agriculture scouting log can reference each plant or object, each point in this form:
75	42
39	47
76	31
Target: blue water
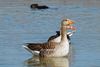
19	24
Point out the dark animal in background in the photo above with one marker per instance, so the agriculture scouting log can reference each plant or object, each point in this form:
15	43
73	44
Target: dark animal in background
36	6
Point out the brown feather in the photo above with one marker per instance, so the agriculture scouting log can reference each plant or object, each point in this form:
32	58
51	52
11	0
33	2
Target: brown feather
39	46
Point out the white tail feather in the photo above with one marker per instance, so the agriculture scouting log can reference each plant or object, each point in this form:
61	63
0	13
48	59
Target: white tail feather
33	52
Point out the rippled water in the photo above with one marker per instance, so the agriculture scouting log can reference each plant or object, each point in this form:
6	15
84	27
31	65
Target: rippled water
19	24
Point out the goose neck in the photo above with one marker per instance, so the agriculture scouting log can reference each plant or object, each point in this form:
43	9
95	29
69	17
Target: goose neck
63	33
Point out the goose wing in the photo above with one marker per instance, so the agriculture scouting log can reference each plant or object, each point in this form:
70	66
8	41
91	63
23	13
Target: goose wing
39	46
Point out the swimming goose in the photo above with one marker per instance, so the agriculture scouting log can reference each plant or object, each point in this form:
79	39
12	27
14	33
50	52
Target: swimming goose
36	6
53	49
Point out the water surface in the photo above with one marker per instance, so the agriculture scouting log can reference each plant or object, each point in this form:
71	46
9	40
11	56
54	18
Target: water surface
19	24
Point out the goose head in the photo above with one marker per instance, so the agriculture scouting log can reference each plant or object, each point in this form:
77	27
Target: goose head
67	22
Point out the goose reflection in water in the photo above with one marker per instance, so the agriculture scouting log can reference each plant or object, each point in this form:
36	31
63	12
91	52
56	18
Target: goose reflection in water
47	62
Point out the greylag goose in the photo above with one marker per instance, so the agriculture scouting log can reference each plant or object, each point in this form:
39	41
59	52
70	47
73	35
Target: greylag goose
36	6
53	49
